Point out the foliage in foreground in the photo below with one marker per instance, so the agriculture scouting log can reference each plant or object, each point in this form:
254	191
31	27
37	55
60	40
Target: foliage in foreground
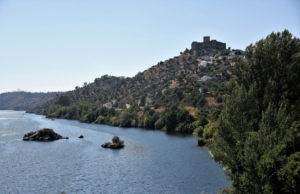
258	131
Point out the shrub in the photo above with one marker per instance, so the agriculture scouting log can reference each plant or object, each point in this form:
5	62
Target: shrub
219	99
209	130
100	119
46	131
117	140
185	127
198	131
201	142
141	124
159	124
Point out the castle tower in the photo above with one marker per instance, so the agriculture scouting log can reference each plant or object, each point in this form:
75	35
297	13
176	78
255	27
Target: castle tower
194	45
206	38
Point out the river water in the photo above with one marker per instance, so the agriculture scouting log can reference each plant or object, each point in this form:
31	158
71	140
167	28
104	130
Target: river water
151	162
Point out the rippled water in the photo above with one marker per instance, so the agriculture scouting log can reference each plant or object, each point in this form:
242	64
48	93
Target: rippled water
151	162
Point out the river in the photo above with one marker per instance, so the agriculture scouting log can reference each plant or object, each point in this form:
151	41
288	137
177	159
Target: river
151	162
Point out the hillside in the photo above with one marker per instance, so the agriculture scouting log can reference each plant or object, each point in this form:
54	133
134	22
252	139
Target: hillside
172	82
24	100
87	93
174	96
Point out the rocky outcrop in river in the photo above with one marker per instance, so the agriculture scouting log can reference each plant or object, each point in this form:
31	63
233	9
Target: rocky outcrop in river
112	145
45	134
116	143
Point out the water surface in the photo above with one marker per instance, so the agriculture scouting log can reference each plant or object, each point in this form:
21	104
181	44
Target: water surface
151	162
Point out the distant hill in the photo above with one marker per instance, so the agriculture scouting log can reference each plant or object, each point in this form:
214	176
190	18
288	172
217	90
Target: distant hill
172	82
25	100
89	93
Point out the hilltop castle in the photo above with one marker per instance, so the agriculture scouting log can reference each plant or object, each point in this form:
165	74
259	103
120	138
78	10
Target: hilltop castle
207	43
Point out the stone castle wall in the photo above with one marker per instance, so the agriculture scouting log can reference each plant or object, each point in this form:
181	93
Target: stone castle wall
207	43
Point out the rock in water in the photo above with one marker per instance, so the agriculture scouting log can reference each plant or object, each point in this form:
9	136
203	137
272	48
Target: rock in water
45	134
117	143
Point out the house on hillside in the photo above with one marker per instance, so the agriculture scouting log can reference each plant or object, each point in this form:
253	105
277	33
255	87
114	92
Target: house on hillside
127	105
205	78
200	90
206	57
203	90
148	101
225	57
202	63
107	105
235	52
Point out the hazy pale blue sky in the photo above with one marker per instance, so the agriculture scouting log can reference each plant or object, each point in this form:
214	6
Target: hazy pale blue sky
55	45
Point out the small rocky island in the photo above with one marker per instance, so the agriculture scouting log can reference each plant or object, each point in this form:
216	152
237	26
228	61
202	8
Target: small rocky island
45	134
116	143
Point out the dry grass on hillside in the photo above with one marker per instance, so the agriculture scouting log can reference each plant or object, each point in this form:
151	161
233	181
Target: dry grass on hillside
211	101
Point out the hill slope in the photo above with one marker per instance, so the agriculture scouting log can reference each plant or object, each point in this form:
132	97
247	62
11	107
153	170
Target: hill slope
172	82
168	96
24	100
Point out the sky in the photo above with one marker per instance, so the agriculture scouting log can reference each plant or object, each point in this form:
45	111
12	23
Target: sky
56	45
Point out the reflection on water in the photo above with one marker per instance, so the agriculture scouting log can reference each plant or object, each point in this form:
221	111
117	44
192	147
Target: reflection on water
151	162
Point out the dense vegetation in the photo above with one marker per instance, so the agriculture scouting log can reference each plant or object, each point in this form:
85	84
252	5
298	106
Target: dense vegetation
24	100
186	120
258	132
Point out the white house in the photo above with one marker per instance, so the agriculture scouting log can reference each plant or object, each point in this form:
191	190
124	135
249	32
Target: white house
127	105
148	101
107	105
205	57
205	78
232	53
229	57
200	90
203	64
235	52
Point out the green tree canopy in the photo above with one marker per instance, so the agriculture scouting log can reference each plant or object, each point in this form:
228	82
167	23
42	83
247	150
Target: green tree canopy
258	131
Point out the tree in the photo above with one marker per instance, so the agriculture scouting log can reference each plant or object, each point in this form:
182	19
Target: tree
64	100
143	100
258	131
117	140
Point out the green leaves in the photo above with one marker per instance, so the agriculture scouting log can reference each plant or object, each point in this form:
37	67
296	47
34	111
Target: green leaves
257	134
